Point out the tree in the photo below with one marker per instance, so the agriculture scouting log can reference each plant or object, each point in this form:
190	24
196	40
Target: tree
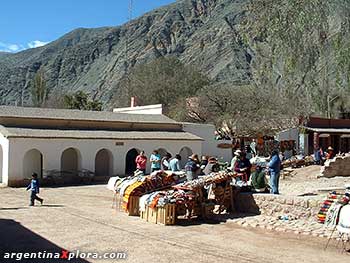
39	89
244	110
301	48
80	101
162	81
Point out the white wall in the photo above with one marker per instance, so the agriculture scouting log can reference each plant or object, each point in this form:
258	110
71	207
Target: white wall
4	143
209	145
52	150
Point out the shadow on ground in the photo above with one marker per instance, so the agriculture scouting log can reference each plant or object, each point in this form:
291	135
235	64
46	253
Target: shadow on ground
213	220
16	238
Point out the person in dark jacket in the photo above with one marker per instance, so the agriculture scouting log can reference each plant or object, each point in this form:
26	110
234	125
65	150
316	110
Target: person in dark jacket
274	167
244	166
192	167
34	189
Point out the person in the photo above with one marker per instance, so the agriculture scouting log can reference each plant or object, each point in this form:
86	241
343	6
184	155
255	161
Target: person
34	189
274	167
174	164
235	158
243	165
259	180
204	162
212	166
319	156
330	153
155	161
192	167
249	152
165	161
141	162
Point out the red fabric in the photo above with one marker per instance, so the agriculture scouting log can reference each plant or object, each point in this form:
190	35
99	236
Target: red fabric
141	162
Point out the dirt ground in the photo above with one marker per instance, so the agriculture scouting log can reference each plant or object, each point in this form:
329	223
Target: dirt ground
304	180
81	218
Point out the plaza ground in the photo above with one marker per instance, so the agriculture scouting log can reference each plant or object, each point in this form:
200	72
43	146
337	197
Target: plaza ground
81	218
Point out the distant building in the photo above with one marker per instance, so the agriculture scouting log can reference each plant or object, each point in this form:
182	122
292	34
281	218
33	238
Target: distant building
320	132
106	143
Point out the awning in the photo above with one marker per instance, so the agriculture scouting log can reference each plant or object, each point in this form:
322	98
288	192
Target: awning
329	130
345	136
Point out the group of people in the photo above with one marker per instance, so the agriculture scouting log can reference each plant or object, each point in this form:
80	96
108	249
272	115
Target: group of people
193	166
242	166
320	155
158	162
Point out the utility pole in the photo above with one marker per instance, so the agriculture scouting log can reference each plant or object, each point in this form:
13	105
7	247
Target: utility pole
329	100
127	40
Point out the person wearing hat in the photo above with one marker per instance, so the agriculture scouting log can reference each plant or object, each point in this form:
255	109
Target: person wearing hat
192	167
243	166
235	158
330	153
34	189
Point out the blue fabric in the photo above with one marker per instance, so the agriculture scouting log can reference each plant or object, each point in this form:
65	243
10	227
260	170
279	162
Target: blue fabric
274	182
174	165
275	164
34	186
155	165
191	166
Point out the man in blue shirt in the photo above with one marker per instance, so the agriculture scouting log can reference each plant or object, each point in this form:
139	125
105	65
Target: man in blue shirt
274	166
174	164
34	188
155	161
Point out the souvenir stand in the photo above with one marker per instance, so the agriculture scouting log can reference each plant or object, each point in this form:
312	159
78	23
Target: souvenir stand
128	190
198	198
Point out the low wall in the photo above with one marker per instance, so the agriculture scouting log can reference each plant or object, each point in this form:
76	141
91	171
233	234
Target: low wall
277	205
339	166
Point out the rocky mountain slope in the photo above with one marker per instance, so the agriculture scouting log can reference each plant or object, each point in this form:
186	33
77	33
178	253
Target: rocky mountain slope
199	32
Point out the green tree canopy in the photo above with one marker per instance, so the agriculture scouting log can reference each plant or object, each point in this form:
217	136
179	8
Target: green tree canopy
80	101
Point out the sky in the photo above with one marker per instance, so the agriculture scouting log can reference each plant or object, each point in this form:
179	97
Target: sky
32	23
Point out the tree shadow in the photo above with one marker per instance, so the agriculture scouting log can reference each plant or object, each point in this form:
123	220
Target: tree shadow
15	238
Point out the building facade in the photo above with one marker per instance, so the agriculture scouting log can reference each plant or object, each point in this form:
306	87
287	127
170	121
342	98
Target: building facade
50	141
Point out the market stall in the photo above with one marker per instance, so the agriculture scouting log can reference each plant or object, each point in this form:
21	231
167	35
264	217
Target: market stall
163	197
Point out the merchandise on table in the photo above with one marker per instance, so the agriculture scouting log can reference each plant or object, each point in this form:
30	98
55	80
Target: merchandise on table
330	208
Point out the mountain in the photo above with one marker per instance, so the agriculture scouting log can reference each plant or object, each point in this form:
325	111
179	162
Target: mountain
201	33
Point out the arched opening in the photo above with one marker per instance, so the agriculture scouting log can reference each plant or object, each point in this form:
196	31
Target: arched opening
1	161
70	160
130	164
104	163
33	163
185	152
162	152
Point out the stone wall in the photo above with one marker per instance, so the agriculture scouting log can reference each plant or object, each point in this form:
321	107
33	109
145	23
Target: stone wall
278	205
339	166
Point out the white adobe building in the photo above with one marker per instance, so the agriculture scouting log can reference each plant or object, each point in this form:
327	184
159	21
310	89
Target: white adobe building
105	143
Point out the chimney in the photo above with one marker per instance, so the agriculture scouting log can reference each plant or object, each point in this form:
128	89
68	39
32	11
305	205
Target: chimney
133	102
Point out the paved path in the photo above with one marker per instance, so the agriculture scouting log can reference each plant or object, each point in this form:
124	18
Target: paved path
81	218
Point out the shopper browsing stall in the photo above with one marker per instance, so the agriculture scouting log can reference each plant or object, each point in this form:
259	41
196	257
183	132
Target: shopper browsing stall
141	162
165	162
155	161
192	167
174	164
243	165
